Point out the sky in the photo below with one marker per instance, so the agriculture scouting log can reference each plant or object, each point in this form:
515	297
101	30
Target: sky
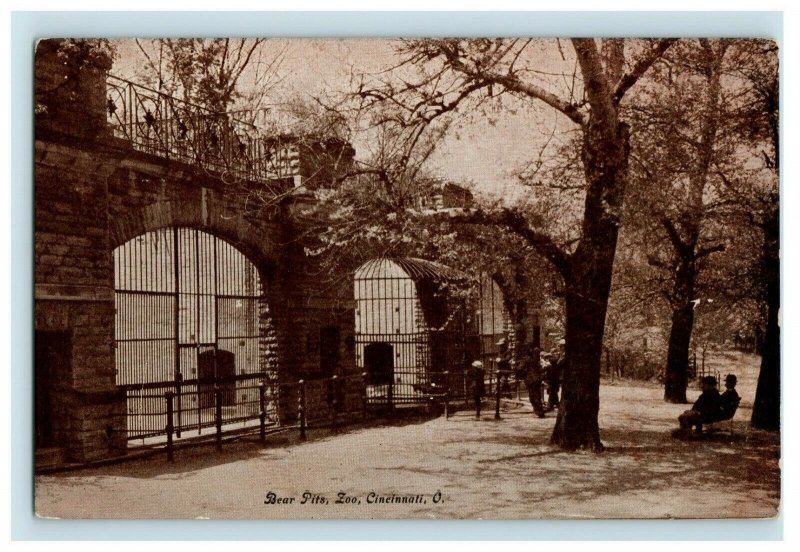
480	153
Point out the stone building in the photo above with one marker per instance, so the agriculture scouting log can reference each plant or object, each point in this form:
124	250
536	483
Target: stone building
149	255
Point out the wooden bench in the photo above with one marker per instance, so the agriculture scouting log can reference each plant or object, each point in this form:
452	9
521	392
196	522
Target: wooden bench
726	415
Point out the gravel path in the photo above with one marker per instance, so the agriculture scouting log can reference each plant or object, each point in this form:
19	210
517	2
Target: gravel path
456	468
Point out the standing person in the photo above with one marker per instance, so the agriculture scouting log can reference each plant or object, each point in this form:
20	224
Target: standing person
534	376
554	371
503	361
705	409
479	387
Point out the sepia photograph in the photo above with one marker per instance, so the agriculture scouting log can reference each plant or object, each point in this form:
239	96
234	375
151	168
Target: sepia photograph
406	278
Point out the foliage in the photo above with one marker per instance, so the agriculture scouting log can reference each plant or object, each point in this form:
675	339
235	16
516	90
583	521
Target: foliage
220	74
689	248
77	57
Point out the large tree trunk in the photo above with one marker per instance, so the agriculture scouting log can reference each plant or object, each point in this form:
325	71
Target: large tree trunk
767	405
676	377
587	287
576	424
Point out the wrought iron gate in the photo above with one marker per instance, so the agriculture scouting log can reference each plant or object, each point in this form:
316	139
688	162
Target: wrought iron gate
191	318
411	340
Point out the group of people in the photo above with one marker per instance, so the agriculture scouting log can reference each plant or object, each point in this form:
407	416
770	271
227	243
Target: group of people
529	369
711	406
536	377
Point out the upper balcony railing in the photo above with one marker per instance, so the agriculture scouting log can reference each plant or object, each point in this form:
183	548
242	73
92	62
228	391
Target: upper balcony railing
220	143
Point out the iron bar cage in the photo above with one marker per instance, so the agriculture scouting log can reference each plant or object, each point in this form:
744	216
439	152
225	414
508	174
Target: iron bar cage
191	316
410	329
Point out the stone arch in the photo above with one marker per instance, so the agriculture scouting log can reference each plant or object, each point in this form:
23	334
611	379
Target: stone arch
205	213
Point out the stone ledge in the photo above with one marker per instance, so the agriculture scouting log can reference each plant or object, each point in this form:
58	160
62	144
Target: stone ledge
72	292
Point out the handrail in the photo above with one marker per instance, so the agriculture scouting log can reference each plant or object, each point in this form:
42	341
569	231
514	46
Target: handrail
159	124
195	106
264	376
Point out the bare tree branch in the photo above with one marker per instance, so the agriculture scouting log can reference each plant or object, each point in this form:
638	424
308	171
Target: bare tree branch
640	67
518	224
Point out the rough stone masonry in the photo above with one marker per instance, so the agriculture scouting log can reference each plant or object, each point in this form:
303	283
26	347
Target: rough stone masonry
94	192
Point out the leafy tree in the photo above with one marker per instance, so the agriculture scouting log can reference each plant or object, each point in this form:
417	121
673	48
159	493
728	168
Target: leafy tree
219	74
701	193
67	96
684	131
438	77
758	195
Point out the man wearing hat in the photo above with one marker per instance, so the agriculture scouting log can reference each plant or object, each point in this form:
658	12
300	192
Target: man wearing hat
503	361
479	388
729	400
705	409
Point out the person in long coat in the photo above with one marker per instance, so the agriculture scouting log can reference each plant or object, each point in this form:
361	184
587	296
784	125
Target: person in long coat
554	371
534	377
704	410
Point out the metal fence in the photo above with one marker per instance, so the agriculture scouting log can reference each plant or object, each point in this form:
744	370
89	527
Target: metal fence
163	125
191	407
158	413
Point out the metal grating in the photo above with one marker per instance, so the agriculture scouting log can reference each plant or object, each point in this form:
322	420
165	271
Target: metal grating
409	332
190	316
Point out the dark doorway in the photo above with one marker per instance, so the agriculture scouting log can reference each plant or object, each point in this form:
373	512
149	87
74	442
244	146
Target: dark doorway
216	367
52	361
329	340
537	336
379	363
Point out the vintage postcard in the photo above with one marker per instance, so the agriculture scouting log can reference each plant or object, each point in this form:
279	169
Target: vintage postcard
509	278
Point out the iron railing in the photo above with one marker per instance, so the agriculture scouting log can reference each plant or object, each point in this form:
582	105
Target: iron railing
198	404
249	402
163	125
157	413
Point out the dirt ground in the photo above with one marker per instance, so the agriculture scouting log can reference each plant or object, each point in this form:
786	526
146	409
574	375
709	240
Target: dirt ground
455	468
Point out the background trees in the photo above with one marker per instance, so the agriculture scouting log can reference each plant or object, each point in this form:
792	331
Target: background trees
220	74
439	77
685	214
758	195
683	132
685	135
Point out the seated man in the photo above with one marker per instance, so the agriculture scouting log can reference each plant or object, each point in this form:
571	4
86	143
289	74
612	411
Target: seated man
729	400
705	409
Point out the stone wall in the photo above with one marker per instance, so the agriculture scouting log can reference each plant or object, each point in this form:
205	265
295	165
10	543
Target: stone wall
74	294
92	194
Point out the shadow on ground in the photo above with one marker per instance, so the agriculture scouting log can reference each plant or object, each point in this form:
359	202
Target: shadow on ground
192	457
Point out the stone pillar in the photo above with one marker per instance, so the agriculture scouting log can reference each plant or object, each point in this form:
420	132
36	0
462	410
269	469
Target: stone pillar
70	88
74	297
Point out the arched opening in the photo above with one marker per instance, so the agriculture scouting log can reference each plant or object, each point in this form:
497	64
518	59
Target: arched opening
492	319
191	313
413	337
